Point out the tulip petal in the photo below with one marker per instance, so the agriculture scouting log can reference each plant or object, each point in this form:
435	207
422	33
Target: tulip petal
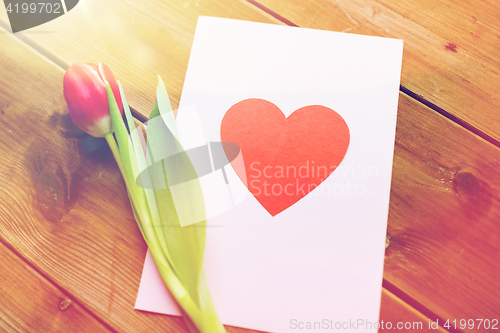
86	96
95	68
106	75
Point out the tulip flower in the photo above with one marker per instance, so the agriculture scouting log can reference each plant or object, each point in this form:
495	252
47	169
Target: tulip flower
85	94
96	103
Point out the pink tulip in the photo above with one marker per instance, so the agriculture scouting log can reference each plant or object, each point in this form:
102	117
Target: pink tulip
85	94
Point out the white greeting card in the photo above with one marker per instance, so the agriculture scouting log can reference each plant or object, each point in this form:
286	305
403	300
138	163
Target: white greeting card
297	217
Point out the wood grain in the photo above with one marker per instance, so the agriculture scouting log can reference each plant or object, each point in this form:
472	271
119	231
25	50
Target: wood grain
65	209
56	179
443	232
29	303
137	39
408	319
451	49
443	221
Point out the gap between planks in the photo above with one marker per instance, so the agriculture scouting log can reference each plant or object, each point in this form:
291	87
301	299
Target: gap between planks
58	63
417	306
403	89
56	285
386	284
50	57
62	64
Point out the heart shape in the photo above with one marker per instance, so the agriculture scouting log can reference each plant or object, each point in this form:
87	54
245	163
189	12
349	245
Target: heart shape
284	158
27	14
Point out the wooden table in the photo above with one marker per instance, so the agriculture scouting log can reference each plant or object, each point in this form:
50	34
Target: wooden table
71	251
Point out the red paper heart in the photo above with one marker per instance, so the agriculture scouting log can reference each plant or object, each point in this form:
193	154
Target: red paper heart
284	158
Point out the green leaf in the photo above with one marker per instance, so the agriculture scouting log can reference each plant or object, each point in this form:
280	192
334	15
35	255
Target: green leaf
142	170
134	141
176	250
128	158
121	132
137	159
185	245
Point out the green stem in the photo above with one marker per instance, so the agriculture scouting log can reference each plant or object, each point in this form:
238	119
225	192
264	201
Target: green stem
139	208
209	323
116	154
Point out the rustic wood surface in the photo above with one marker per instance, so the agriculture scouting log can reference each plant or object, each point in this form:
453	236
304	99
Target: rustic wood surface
30	303
443	220
394	308
450	53
60	203
154	36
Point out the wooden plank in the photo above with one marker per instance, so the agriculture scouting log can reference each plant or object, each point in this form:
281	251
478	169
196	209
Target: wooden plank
64	210
451	52
402	317
86	240
29	303
119	34
137	39
444	205
408	171
443	221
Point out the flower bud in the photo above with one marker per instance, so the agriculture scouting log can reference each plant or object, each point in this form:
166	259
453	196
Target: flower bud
87	99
